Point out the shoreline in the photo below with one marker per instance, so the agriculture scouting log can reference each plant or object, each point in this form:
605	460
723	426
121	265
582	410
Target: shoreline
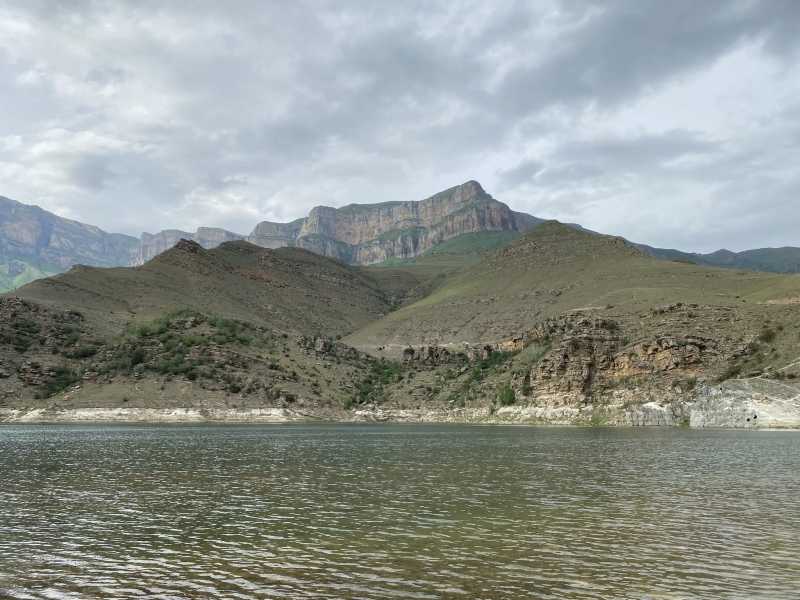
648	415
746	403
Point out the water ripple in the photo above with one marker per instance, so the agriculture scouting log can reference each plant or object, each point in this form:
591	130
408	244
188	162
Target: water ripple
390	511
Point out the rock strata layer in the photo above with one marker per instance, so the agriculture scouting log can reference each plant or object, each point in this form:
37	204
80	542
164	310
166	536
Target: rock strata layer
30	231
370	234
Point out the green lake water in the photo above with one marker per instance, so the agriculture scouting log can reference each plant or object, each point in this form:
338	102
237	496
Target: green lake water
397	511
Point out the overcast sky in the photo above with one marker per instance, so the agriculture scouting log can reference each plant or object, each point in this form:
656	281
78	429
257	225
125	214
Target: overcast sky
673	123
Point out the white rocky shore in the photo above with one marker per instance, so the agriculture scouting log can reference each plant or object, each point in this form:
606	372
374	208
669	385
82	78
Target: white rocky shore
747	403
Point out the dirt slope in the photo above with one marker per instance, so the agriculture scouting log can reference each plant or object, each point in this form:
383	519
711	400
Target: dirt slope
289	289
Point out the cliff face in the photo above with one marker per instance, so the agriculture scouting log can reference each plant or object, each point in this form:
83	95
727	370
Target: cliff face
32	232
35	243
365	235
151	245
275	235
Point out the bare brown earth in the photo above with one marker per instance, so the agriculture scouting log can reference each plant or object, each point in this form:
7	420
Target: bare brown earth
561	326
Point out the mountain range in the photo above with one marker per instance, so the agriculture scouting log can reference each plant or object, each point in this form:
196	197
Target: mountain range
557	325
35	243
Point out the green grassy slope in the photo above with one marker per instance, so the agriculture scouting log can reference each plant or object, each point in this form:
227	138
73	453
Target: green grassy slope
769	260
17	270
553	269
456	253
482	241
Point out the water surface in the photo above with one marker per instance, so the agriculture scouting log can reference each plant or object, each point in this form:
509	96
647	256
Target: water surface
397	511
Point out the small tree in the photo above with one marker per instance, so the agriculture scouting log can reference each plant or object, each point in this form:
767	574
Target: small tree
507	396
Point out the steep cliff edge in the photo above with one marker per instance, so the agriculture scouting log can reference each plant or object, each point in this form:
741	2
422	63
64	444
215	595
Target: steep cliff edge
368	234
36	243
365	234
151	245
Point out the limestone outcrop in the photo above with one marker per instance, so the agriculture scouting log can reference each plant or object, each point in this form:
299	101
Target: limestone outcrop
369	234
275	235
151	245
591	356
430	355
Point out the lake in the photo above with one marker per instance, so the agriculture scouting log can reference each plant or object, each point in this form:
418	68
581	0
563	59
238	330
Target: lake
397	511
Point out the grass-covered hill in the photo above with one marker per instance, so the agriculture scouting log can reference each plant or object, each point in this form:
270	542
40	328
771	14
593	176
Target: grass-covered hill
553	269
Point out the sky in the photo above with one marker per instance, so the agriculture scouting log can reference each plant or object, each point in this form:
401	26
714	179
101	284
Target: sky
672	123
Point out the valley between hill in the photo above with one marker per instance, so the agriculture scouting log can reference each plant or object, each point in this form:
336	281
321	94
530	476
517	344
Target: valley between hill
558	326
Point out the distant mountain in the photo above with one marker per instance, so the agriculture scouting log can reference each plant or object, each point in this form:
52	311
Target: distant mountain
770	260
462	220
35	243
366	234
151	245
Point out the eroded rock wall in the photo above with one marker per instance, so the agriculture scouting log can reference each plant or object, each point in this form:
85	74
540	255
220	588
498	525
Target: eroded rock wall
399	230
151	245
31	231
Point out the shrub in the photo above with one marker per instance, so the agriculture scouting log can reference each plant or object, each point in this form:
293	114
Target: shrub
506	396
137	356
731	372
767	335
234	388
84	352
62	380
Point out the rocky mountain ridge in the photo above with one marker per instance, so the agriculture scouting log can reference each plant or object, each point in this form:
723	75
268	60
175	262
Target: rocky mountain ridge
365	234
35	243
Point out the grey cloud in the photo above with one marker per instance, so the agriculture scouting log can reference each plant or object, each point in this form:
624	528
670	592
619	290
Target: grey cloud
633	44
90	172
257	109
629	152
573	173
523	173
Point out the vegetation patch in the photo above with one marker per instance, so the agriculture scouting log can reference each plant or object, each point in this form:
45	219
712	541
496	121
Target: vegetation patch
60	378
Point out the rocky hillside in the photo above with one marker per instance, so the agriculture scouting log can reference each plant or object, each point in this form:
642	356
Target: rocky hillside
290	290
557	326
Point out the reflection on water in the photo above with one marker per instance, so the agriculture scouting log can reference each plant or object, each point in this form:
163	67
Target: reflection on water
379	511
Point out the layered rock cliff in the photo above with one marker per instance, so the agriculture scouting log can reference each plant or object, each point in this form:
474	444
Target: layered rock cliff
30	234
365	234
276	235
151	245
370	234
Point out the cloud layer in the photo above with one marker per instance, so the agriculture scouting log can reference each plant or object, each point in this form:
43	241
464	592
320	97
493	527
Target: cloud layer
671	123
